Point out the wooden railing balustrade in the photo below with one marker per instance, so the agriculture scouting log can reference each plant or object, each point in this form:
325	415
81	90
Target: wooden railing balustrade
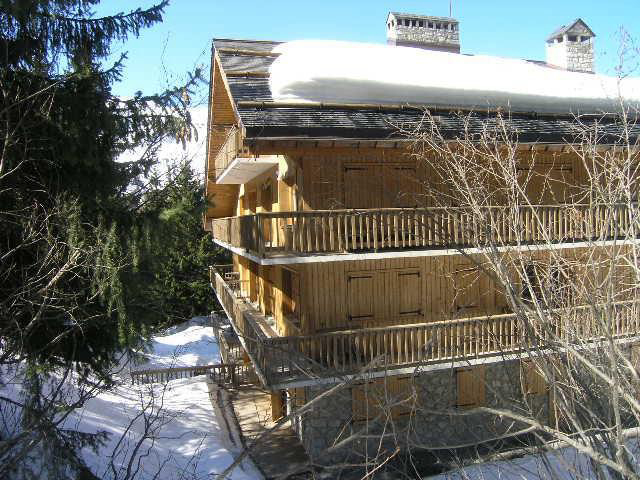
327	231
283	359
343	352
234	374
229	150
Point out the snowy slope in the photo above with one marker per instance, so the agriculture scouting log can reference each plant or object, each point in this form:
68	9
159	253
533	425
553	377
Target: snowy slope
560	464
189	344
189	441
184	439
345	72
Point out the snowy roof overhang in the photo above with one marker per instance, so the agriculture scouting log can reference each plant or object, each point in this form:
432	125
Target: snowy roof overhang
267	116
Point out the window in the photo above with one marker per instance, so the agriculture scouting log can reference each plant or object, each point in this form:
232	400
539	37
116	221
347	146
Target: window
573	38
470	387
430	25
420	23
533	381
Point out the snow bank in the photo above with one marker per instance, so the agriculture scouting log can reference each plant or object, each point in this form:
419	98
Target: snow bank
186	439
188	444
189	344
345	72
561	464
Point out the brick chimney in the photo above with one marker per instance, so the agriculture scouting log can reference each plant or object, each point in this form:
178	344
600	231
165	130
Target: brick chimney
572	47
420	31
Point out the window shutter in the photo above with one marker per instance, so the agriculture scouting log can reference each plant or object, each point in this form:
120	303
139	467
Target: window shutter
470	386
360	303
409	293
532	378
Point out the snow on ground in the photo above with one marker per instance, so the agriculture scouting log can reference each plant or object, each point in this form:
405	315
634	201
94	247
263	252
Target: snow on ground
560	464
189	445
183	438
188	344
346	72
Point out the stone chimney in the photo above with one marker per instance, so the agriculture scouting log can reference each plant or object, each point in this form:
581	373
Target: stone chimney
572	47
420	31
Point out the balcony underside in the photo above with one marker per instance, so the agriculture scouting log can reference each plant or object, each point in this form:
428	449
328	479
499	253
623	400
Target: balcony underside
330	356
288	234
242	170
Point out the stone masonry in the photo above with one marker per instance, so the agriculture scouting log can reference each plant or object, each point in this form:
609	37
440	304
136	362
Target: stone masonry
432	33
435	423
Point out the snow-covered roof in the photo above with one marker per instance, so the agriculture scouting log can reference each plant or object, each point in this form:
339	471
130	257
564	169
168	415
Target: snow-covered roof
266	118
359	73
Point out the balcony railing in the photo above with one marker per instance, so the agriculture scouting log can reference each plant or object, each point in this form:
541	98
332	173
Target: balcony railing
336	231
229	150
280	360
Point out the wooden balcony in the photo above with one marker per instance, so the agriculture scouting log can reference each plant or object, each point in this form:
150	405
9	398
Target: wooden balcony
339	231
283	360
229	150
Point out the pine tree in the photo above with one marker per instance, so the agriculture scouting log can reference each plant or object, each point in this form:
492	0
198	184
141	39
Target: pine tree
183	250
68	288
75	246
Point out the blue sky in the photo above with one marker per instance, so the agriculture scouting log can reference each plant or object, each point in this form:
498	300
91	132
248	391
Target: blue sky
514	28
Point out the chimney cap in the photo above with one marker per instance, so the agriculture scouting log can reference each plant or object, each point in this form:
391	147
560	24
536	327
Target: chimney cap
422	17
566	28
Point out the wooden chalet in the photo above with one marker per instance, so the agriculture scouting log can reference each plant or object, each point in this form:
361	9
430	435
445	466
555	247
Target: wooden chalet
337	258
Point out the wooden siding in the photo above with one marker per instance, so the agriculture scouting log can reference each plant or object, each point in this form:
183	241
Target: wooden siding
375	293
279	360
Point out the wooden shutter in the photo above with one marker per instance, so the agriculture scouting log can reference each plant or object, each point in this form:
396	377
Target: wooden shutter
470	387
360	187
364	401
298	397
360	298
267	283
290	291
635	356
548	183
400	186
533	381
408	294
400	391
277	405
466	287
